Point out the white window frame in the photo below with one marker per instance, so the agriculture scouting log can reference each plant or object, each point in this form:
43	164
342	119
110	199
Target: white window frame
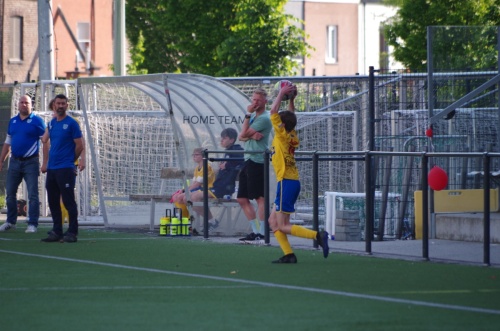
83	38
331	44
16	42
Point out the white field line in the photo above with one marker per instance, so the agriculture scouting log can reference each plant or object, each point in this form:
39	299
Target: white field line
115	288
85	239
266	284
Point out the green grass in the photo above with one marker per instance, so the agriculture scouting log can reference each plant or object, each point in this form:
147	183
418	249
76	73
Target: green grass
128	281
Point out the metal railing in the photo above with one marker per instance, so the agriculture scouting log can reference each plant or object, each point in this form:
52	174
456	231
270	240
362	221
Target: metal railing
369	158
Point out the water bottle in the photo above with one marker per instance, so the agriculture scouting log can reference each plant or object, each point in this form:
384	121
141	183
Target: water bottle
235	194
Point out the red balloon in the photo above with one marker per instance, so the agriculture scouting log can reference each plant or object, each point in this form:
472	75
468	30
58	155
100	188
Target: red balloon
429	132
437	178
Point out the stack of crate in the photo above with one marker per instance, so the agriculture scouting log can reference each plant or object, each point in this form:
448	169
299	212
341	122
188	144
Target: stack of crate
347	225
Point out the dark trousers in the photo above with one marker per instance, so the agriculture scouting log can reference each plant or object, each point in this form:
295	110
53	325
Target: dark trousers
61	183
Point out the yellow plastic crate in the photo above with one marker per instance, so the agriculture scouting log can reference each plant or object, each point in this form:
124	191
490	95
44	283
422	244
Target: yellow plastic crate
454	201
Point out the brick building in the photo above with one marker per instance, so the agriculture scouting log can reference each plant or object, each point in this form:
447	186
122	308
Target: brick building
19	40
90	24
78	48
346	36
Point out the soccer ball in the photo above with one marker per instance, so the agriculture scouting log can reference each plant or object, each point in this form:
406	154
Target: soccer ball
279	85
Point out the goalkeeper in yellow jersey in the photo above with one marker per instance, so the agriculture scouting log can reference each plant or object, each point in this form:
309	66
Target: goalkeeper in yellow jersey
287	191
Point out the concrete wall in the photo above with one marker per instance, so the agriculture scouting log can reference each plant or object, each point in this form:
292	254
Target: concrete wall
466	227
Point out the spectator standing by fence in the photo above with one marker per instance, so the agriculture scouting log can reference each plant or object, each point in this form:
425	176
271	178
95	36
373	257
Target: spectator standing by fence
52	106
66	145
255	133
23	142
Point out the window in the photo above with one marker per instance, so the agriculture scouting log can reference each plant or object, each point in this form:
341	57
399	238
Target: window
332	44
16	45
83	37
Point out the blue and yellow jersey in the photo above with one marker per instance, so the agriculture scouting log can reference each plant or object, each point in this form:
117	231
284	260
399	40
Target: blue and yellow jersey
283	150
198	176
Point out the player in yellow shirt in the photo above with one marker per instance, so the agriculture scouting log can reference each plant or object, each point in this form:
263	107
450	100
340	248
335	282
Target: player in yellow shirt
285	142
196	188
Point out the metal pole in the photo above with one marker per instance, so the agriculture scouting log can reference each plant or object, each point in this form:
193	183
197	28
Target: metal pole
369	165
368	203
371	110
425	207
267	206
315	192
486	211
119	38
430	70
498	89
45	41
205	194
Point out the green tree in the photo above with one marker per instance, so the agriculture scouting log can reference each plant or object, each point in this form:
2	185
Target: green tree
137	58
465	48
217	38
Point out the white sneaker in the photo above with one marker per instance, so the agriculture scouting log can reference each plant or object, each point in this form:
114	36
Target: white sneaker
7	226
31	229
212	225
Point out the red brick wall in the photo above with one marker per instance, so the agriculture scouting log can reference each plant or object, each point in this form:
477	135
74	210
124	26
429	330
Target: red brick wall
79	11
64	49
28	67
318	16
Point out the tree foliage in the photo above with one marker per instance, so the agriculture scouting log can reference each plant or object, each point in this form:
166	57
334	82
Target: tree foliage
472	46
217	38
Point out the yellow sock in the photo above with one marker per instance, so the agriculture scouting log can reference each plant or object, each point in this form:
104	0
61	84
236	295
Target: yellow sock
64	214
302	232
283	242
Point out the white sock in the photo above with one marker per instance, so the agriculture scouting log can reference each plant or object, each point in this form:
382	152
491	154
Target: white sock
262	227
255	225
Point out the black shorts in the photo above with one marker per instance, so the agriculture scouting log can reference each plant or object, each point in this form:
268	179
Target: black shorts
251	180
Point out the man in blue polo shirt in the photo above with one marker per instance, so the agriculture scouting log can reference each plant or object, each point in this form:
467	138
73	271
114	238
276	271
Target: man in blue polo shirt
23	142
66	145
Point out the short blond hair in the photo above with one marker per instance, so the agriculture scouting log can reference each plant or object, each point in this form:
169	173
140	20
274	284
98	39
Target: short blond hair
261	91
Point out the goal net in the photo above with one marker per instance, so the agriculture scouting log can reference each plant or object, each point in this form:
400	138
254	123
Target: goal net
41	93
327	132
139	125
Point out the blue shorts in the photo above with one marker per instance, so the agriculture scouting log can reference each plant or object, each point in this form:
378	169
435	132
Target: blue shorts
287	193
